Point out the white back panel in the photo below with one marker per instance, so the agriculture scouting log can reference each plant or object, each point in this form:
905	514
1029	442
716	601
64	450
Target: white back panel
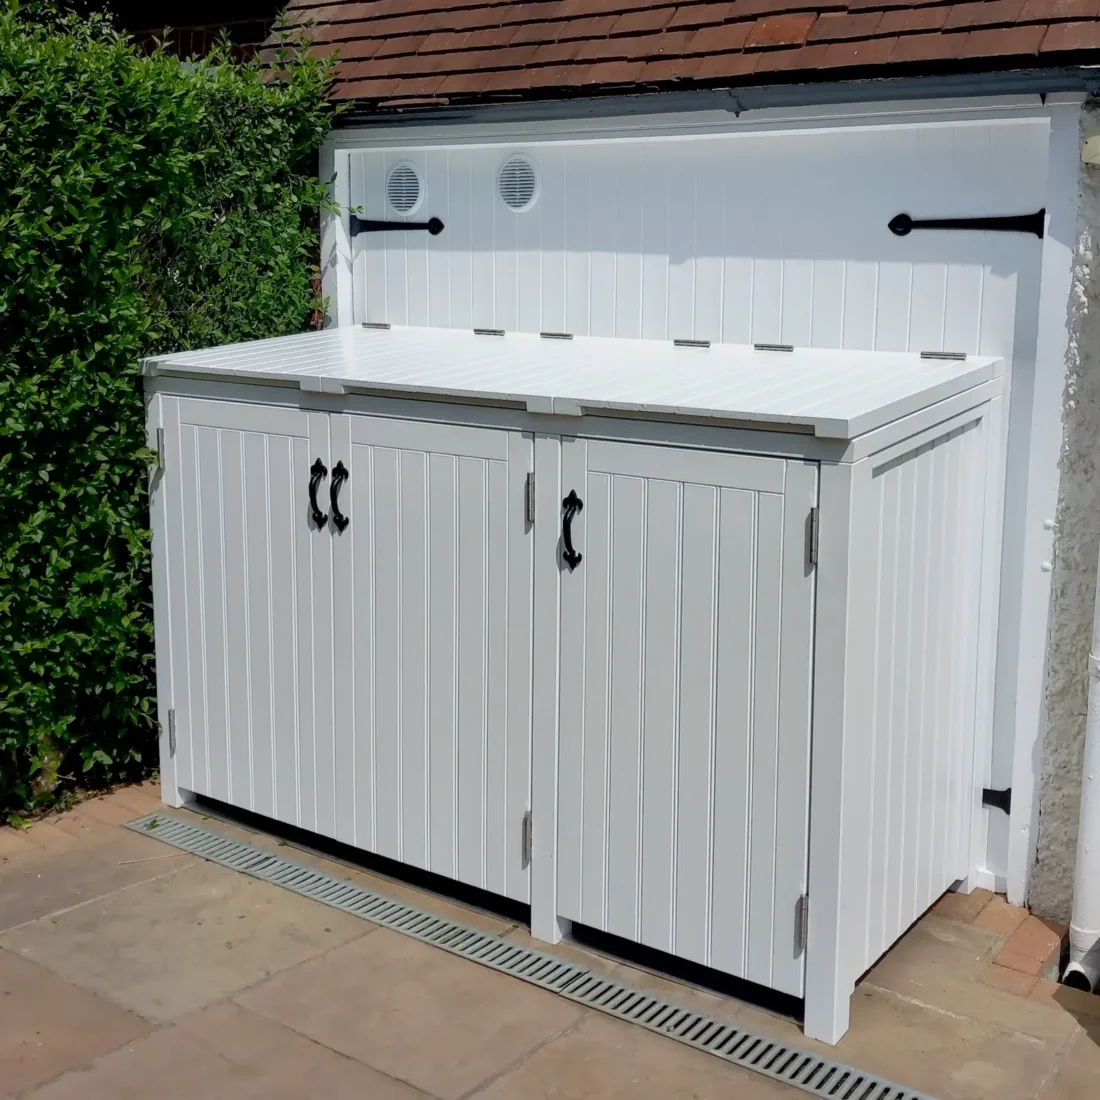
685	675
436	569
740	238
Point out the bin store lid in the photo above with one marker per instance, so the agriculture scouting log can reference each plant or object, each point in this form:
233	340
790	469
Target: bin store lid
832	393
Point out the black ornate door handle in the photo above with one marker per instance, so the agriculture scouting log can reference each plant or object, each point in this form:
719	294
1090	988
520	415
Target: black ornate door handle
901	225
571	505
339	476
317	473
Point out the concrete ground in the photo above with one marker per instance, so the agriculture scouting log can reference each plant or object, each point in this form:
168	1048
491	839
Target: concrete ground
128	970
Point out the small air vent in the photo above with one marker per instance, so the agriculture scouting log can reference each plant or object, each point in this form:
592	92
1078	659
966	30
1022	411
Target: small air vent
518	184
404	189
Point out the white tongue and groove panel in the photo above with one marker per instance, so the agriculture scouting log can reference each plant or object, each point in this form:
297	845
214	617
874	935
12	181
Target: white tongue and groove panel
685	675
910	740
744	237
252	681
436	570
838	394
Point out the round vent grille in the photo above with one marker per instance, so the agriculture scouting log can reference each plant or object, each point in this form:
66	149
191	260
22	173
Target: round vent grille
403	188
518	183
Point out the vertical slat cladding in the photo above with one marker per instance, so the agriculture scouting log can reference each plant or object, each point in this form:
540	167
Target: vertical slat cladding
286	516
234	552
324	661
920	657
346	741
625	690
926	508
443	587
659	733
516	670
733	792
243	649
594	728
883	791
304	681
694	774
794	726
765	737
472	666
495	833
388	646
654	241
862	813
672	734
261	648
319	799
362	582
191	712
413	527
212	579
654	235
446	769
628	259
904	476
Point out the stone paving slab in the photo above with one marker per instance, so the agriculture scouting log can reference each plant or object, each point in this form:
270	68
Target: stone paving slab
605	1059
59	879
415	1012
943	964
946	1054
1076	1075
174	944
48	1026
225	1053
251	991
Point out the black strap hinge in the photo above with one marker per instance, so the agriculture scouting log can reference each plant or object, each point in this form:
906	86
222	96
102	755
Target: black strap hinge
901	225
370	225
1001	800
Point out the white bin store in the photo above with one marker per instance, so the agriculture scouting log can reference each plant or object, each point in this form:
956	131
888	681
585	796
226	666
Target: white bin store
720	619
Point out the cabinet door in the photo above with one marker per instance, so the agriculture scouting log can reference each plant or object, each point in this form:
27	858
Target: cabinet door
249	595
433	647
685	703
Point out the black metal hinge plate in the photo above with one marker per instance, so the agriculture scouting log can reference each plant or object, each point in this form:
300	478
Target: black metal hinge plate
1000	800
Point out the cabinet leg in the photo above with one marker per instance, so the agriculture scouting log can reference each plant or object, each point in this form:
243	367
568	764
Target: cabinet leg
827	1013
174	796
551	931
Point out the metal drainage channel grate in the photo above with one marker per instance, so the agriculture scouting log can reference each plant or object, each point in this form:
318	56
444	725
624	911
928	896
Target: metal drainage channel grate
748	1049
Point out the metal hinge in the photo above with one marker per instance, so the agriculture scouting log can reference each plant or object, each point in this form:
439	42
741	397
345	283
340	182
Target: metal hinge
527	839
802	922
529	498
999	800
160	448
814	527
172	732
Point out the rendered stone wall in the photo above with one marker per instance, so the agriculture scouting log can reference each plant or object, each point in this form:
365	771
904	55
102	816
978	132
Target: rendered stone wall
1077	538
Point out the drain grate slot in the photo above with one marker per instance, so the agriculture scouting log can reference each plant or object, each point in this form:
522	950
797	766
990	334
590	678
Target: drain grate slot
723	1039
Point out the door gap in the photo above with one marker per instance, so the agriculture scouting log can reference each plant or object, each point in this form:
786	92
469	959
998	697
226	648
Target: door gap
471	896
678	969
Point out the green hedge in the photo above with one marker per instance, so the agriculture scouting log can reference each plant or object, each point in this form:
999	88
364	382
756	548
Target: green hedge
146	204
